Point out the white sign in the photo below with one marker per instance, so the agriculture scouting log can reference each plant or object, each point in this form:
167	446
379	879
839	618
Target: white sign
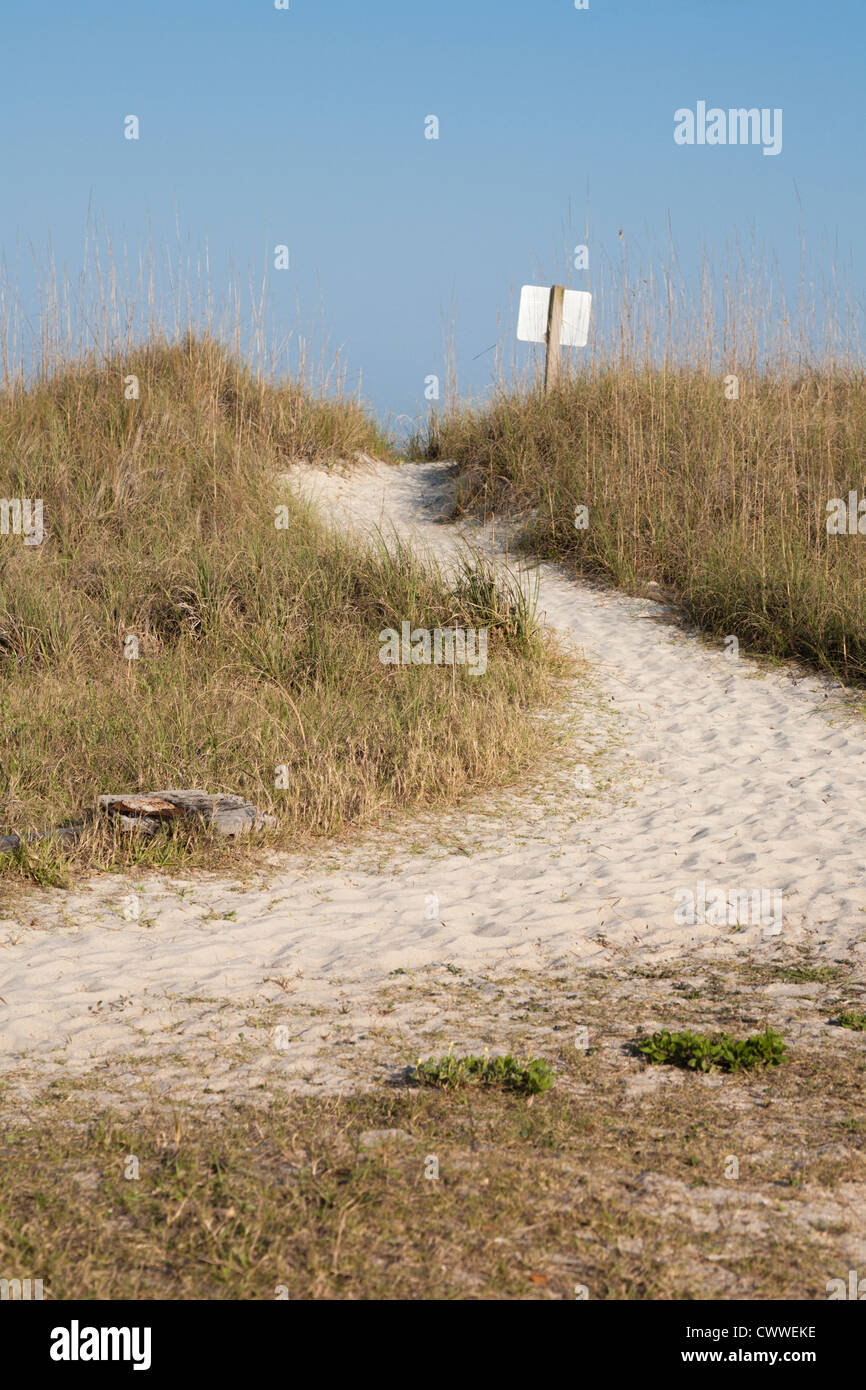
534	307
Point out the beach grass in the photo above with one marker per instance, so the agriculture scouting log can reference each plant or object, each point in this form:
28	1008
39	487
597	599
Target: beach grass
710	441
188	621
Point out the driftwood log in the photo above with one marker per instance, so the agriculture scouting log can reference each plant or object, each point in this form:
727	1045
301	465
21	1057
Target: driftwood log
67	833
145	813
226	814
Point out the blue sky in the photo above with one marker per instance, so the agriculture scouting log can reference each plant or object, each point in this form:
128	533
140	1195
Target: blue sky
306	127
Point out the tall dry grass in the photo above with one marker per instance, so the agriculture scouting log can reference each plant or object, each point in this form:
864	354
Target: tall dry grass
258	646
722	500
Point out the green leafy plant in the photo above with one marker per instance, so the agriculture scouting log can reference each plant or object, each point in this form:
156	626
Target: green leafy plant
854	1019
809	974
529	1078
710	1051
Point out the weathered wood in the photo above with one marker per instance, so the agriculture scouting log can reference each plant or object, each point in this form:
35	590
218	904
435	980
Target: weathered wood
68	833
225	813
553	351
148	812
156	806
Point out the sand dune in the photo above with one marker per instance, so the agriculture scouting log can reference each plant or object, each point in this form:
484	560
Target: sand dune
699	770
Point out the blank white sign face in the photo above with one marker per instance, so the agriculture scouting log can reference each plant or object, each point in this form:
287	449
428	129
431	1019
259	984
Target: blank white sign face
534	307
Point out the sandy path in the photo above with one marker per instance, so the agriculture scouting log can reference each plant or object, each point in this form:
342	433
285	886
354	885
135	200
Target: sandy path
748	779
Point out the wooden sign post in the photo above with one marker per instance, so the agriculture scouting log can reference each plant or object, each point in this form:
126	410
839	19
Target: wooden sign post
556	317
553	351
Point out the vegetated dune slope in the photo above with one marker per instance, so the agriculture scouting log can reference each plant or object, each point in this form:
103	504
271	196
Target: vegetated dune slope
684	768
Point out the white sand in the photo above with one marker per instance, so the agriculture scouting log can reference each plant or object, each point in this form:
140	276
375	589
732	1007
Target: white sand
748	778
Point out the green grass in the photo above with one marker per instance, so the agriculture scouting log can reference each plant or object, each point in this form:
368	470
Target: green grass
855	1019
713	1051
809	974
258	666
531	1077
793	974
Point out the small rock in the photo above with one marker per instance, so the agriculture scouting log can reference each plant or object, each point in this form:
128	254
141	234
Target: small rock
88	1182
